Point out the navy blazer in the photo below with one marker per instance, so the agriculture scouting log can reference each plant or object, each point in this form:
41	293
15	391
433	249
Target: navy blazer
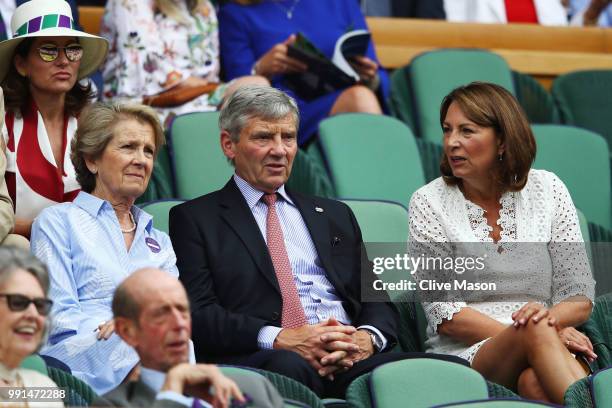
226	268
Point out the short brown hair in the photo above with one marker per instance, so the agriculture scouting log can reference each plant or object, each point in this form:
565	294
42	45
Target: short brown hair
95	130
490	105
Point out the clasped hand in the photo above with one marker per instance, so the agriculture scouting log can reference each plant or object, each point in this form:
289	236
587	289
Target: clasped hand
329	347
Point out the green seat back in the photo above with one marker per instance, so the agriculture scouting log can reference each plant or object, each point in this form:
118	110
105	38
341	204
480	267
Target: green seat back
497	403
36	363
601	388
425	382
584	100
79	393
160	211
400	97
537	102
308	176
200	167
580	159
293	390
380	221
434	74
371	157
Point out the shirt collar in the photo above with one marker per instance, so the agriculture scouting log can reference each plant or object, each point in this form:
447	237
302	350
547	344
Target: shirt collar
253	196
93	205
152	378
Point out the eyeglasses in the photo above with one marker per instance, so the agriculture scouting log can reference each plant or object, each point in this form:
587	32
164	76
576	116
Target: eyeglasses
49	52
18	303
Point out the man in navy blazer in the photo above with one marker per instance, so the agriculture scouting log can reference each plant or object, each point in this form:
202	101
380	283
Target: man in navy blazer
221	244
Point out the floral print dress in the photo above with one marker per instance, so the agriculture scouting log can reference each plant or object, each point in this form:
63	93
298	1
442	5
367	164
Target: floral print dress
151	53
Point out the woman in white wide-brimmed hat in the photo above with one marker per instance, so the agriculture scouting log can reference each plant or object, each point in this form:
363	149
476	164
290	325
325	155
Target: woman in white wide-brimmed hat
40	69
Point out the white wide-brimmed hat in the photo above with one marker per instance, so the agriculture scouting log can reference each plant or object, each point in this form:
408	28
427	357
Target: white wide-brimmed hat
50	18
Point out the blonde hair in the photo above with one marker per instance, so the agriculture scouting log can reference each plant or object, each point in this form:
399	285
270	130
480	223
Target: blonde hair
96	127
170	9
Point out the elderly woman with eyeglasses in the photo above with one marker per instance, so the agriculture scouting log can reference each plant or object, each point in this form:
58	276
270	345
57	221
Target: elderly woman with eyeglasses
23	311
39	71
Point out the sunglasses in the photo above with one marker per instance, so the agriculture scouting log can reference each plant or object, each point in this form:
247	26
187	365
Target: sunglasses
50	52
18	303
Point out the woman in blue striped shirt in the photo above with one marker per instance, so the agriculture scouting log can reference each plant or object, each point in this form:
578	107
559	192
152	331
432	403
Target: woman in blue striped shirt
91	244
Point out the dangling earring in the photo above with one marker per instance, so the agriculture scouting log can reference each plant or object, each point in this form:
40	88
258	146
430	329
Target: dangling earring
500	157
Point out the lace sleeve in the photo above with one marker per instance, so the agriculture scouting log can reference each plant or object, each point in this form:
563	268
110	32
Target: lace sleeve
571	269
428	239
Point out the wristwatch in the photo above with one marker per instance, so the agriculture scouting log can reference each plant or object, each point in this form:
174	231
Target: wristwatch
376	341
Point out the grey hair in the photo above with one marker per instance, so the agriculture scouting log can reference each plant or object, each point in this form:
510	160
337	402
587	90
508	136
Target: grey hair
13	259
255	101
96	128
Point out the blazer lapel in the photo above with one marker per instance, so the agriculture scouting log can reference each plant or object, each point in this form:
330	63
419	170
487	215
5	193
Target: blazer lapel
239	217
318	225
141	395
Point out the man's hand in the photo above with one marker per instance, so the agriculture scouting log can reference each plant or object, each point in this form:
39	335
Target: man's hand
197	380
308	342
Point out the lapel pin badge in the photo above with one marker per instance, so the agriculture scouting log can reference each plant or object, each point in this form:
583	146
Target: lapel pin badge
335	241
318	209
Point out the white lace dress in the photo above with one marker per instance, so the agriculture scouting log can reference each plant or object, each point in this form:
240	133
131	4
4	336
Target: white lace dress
542	259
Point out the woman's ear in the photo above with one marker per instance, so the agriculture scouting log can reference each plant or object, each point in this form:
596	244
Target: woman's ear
91	166
20	65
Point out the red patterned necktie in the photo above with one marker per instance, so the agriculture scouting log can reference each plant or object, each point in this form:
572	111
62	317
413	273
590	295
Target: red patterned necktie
293	312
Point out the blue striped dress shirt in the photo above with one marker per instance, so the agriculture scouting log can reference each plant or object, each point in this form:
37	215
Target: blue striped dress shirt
317	295
82	244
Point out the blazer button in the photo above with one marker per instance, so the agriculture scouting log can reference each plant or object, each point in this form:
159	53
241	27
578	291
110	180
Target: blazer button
275	316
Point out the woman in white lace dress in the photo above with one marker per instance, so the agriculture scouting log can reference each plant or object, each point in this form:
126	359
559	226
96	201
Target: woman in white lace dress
525	224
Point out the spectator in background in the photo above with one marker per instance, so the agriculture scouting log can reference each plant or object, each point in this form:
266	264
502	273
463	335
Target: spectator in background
522	334
39	69
255	36
163	47
151	313
24	308
91	244
433	9
7	215
544	12
591	13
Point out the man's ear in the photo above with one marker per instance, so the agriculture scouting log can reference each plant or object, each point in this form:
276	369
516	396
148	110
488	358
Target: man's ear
227	145
127	330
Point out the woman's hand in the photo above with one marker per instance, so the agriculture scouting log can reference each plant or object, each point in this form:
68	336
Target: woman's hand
277	62
105	330
531	311
365	67
577	342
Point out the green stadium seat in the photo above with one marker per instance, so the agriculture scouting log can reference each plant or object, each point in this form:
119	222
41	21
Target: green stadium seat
497	403
380	221
371	157
160	211
434	74
579	157
36	363
79	394
402	382
601	388
200	167
400	101
583	98
536	101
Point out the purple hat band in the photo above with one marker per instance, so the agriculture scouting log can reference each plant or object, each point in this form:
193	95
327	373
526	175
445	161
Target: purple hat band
43	22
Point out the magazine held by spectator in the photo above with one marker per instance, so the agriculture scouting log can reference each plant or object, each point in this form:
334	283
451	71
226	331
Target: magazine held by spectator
324	75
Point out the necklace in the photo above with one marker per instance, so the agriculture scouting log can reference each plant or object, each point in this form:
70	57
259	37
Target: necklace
127	231
288	10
